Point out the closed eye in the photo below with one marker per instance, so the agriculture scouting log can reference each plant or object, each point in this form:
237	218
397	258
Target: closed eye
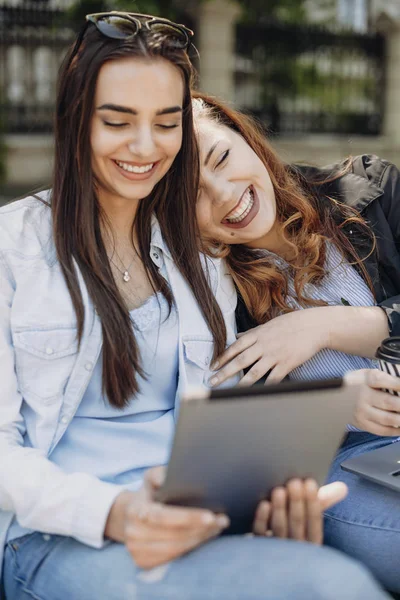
222	159
116	125
167	126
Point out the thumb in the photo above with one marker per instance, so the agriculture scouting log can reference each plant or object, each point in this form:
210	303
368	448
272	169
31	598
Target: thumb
155	477
331	494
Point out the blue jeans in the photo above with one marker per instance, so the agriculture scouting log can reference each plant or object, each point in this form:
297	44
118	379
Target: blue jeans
41	567
366	525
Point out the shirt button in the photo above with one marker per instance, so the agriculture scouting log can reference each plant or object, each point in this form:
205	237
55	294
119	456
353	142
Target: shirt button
156	256
89	366
46	537
64	420
49	351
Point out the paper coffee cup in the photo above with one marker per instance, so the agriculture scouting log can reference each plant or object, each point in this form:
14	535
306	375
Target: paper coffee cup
388	355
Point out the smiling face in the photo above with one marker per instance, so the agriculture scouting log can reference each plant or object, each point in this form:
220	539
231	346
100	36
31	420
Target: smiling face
136	129
236	203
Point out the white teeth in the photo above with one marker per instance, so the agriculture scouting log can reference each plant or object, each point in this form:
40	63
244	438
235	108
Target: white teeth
133	169
243	209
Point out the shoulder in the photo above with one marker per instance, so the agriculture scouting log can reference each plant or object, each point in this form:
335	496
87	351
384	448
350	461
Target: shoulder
373	168
25	224
355	181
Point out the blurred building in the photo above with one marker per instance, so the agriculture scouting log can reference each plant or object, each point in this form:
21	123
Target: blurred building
323	89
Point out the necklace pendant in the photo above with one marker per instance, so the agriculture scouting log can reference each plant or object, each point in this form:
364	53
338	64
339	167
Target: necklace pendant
126	276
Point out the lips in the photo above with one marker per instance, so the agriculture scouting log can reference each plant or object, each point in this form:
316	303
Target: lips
245	210
135	171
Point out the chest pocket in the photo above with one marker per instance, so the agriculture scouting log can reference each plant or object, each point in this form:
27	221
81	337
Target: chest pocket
198	357
44	361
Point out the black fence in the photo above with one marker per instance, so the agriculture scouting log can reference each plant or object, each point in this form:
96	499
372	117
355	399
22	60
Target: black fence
310	80
33	40
296	79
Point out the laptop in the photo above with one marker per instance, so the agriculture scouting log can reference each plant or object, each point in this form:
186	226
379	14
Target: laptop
381	466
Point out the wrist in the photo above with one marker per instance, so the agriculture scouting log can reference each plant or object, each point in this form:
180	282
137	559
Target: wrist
326	325
115	524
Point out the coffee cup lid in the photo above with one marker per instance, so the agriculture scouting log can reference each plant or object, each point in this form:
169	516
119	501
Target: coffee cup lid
389	349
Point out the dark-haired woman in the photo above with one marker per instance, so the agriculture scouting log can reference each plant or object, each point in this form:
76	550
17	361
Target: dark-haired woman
105	314
325	240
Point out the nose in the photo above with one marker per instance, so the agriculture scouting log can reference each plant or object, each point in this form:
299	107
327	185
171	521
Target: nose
221	190
142	144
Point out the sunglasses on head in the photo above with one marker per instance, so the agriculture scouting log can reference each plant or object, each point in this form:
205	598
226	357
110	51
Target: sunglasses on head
125	26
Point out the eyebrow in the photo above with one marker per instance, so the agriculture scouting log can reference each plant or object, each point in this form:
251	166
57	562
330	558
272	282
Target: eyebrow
211	150
130	111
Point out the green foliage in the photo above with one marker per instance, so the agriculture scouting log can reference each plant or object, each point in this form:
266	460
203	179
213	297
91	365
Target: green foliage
284	11
165	8
288	11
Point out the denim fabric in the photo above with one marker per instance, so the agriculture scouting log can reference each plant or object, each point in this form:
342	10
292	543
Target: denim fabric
44	374
366	525
233	568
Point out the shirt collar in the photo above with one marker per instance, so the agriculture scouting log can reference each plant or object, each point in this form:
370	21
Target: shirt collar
157	240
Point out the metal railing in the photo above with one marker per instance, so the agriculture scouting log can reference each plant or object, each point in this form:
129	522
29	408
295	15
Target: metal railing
310	80
33	40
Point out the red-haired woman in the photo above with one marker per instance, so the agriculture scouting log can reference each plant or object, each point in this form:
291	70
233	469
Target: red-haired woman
325	240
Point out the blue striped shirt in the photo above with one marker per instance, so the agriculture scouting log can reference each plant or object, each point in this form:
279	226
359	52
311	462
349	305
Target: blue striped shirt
341	282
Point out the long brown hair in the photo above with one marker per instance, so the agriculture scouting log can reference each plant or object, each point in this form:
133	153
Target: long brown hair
306	222
77	216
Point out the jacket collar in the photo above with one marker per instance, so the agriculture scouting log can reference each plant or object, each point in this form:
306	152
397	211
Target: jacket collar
357	191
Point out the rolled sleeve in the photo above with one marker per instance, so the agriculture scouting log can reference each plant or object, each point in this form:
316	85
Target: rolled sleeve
92	512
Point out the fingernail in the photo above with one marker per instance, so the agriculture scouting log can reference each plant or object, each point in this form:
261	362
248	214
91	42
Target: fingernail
222	521
208	518
213	380
215	365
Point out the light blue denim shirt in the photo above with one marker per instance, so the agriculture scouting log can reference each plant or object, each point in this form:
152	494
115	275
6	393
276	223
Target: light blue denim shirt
44	376
138	436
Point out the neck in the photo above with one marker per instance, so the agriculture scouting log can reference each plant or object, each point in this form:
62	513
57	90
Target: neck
117	227
274	242
120	214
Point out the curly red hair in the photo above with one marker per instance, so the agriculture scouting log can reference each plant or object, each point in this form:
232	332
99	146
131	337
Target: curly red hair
305	225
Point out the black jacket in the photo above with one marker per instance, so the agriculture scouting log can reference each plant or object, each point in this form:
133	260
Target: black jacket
372	187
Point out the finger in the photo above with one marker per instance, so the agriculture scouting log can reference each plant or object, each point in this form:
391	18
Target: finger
384	418
314	517
143	531
258	370
242	361
385	401
297	509
148	554
172	517
279	521
375	378
278	373
261	519
331	494
376	429
245	341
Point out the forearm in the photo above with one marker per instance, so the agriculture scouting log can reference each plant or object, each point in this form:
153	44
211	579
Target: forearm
356	329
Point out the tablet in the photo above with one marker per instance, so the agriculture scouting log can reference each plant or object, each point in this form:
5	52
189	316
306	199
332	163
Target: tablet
381	465
232	446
